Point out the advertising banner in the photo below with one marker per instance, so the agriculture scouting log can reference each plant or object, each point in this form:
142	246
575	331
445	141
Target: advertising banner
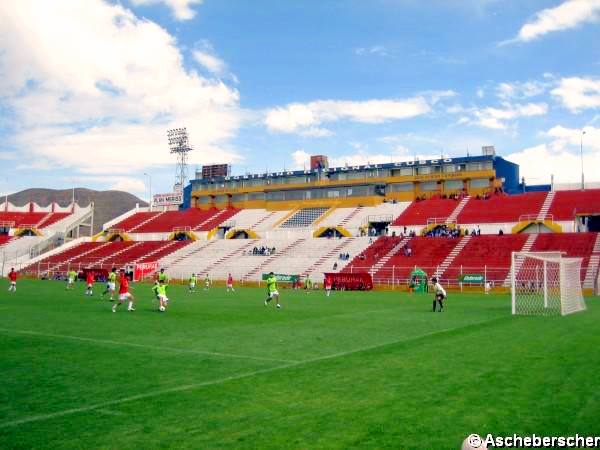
471	278
282	277
144	269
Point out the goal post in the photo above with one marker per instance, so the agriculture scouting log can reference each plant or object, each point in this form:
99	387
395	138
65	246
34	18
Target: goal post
545	283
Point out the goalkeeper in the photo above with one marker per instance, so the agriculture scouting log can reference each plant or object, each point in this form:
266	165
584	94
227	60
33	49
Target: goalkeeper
440	294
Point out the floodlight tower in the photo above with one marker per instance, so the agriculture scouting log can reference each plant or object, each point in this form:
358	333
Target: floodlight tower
179	144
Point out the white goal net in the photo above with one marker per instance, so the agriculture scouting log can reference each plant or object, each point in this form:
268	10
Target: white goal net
545	283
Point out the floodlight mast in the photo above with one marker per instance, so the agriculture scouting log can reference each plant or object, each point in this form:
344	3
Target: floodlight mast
179	144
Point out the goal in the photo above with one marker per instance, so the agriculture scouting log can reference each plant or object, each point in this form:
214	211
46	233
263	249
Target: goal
545	283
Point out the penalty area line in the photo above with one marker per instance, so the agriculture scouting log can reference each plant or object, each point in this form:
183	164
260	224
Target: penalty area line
150	347
188	387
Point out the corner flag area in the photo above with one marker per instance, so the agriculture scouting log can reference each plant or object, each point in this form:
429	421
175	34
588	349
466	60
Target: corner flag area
372	369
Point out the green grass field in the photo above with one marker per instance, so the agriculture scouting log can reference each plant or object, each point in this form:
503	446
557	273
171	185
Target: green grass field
356	370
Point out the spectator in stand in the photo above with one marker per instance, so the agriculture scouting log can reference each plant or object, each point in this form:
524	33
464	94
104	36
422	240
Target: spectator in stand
500	232
408	251
335	266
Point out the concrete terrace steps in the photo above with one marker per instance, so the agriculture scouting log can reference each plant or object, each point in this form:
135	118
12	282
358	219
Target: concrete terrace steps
156	250
350	216
452	255
123	250
323	259
184	255
526	248
461	205
209	219
272	258
67	261
263	219
385	258
47	217
546	205
593	263
223	259
148	220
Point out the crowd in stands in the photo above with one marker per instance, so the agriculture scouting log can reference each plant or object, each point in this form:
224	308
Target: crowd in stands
263	251
444	231
344	256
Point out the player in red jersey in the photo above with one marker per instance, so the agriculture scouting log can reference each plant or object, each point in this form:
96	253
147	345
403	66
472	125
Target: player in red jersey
230	283
327	283
12	276
89	278
124	293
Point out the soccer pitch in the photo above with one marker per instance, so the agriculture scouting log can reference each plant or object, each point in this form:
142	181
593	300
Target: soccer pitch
356	370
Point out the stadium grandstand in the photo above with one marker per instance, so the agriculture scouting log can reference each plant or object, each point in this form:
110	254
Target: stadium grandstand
447	218
31	230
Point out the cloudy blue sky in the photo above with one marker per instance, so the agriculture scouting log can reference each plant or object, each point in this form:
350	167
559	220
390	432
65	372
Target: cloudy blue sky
88	88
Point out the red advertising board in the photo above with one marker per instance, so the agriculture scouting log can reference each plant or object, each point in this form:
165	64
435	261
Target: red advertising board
351	281
144	269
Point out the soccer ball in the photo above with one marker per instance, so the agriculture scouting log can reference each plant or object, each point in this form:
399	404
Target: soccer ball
473	442
162	308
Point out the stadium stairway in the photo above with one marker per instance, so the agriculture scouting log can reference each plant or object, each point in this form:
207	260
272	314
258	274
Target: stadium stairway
526	248
486	254
427	254
183	254
152	218
332	254
461	205
419	212
278	254
215	219
117	253
73	254
356	211
546	206
394	250
5	239
158	253
568	203
224	260
263	219
576	245
501	208
592	269
464	240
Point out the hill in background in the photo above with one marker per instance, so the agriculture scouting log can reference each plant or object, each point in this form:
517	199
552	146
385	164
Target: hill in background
107	204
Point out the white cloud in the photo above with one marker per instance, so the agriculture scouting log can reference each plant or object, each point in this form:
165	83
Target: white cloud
520	90
204	54
578	93
181	9
560	156
301	159
129	185
104	100
480	93
538	163
298	117
570	14
377	50
500	118
211	62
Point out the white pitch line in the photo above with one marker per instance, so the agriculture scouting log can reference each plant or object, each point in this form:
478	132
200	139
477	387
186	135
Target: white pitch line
188	387
109	412
151	347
